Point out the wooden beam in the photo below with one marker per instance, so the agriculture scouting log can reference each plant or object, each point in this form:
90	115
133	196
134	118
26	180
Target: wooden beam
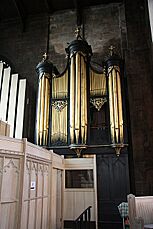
78	8
21	12
49	6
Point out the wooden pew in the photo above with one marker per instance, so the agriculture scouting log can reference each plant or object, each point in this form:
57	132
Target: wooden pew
140	211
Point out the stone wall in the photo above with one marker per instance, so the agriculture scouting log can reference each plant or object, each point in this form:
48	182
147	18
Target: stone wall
140	88
103	26
24	49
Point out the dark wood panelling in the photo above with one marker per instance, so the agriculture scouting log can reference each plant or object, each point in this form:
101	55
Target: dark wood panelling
113	187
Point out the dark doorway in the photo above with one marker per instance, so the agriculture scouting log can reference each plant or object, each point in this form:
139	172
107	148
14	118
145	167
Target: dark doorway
113	187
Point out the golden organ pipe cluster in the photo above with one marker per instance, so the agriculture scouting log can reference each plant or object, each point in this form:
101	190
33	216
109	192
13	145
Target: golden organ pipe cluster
44	71
115	104
79	52
65	101
115	101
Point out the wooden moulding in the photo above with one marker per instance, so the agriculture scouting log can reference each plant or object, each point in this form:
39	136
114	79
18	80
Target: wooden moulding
4	128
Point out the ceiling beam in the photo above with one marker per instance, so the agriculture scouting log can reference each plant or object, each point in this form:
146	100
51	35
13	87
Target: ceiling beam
21	12
78	8
49	6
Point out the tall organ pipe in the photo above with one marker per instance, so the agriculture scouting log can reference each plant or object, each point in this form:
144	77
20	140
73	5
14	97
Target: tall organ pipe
72	98
115	99
44	71
79	52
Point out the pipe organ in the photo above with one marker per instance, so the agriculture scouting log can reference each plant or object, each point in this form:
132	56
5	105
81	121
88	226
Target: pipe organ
72	104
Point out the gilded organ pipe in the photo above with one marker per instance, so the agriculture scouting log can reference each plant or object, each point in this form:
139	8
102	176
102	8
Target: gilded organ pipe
115	101
83	101
42	99
77	99
44	71
79	52
46	111
120	108
38	114
111	108
85	98
72	99
59	109
42	123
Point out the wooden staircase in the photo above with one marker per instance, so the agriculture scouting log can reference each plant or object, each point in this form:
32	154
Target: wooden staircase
81	222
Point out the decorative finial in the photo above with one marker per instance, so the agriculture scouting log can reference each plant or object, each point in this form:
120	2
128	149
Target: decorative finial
45	56
77	32
111	48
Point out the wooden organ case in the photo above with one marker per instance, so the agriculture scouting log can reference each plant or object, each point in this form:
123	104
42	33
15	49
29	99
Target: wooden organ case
82	112
82	107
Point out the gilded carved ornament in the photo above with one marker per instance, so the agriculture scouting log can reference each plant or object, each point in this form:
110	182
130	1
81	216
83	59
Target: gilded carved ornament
59	105
98	102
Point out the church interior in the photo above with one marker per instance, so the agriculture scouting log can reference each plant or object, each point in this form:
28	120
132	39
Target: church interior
76	92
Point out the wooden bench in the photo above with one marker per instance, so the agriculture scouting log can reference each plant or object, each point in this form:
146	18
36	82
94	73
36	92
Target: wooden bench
140	210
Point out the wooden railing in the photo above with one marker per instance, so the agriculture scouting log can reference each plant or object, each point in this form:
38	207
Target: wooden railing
83	221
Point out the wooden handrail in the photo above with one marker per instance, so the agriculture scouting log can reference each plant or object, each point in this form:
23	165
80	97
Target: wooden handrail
83	221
